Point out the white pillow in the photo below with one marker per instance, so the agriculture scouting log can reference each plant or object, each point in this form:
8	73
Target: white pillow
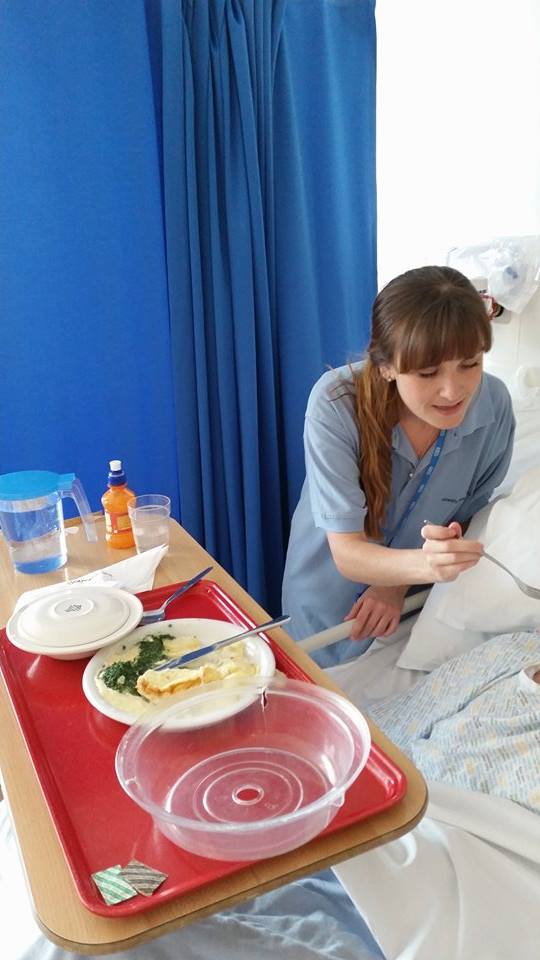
486	598
525	392
432	642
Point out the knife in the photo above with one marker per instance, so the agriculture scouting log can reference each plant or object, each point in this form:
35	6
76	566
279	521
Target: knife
219	644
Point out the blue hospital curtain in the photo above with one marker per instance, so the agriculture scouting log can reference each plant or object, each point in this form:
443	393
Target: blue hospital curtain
267	138
187	240
85	354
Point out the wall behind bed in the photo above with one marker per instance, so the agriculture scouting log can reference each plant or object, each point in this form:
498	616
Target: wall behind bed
457	104
516	342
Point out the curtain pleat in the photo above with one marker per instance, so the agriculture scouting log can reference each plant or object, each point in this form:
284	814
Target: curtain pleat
269	200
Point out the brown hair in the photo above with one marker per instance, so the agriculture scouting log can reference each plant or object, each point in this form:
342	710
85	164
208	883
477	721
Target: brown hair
419	319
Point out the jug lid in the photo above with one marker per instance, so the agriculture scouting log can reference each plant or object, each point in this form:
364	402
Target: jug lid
27	484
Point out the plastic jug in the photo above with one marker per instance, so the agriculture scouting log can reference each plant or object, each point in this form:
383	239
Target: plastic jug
32	520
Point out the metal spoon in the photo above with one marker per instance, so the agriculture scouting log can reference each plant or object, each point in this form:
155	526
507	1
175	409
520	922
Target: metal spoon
533	592
154	616
202	651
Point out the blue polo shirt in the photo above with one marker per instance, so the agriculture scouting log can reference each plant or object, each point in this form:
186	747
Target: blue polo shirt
474	460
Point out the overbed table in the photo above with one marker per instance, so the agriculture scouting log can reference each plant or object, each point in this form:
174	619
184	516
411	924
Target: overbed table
57	908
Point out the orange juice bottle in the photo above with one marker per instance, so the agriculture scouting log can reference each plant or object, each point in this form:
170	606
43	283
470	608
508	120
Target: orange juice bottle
118	532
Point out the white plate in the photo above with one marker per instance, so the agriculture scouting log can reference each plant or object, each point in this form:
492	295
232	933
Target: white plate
207	631
74	621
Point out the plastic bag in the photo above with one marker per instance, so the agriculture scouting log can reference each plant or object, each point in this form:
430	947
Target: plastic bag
510	265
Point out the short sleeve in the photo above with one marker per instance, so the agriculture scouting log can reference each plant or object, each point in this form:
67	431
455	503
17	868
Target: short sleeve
331	446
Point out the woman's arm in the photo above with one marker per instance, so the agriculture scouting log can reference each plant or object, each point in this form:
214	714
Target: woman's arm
443	557
389	571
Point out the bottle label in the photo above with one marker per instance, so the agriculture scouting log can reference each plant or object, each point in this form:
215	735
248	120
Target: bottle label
117	522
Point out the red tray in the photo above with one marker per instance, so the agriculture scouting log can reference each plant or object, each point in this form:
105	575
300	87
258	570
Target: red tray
73	748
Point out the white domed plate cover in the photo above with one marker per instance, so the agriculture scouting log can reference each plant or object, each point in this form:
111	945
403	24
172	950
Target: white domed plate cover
75	618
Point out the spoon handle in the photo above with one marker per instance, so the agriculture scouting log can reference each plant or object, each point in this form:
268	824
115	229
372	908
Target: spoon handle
533	592
498	563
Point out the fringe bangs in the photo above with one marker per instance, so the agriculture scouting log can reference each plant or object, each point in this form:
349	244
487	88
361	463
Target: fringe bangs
455	332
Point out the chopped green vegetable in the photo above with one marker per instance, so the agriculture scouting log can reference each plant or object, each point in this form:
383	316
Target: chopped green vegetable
122	675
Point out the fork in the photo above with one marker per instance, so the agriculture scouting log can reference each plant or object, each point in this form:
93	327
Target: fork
533	592
154	616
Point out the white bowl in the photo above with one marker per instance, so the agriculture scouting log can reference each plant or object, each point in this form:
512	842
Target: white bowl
207	631
74	621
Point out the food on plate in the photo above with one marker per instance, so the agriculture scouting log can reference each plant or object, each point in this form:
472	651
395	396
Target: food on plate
131	682
122	674
231	662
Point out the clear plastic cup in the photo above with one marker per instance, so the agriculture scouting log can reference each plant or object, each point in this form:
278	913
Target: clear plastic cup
261	782
149	515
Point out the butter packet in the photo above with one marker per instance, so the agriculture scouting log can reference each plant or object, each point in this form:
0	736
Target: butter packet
143	878
113	887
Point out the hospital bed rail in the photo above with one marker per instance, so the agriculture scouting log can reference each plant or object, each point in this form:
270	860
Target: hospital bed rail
341	631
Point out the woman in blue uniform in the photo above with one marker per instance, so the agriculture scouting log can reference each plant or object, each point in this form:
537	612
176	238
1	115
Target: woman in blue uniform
416	430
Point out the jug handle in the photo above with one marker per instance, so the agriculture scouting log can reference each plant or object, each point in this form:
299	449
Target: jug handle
70	486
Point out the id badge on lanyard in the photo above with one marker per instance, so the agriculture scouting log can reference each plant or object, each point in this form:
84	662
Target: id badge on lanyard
426	477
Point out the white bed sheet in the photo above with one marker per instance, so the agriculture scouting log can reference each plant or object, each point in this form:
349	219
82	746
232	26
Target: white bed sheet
374	675
464	885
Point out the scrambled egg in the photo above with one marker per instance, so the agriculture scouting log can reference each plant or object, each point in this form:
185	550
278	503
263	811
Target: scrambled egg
156	685
230	662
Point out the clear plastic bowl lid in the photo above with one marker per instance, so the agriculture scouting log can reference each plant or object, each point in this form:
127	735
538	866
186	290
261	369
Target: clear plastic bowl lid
289	751
76	616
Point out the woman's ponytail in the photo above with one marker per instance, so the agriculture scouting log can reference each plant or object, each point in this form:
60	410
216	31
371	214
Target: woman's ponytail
377	414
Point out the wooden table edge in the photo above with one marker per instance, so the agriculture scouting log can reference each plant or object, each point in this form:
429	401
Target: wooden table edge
326	851
116	946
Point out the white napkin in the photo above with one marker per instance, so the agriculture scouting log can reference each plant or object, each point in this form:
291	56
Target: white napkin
134	574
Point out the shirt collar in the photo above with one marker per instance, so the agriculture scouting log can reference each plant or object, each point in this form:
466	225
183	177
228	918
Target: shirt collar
526	681
480	414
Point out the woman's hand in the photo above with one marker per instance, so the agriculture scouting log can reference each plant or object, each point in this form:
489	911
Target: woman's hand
446	553
376	613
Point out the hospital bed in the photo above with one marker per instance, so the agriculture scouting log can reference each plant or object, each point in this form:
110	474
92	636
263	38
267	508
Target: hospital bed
466	882
464	885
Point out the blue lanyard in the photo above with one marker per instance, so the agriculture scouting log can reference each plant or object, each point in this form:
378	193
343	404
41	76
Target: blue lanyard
426	476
